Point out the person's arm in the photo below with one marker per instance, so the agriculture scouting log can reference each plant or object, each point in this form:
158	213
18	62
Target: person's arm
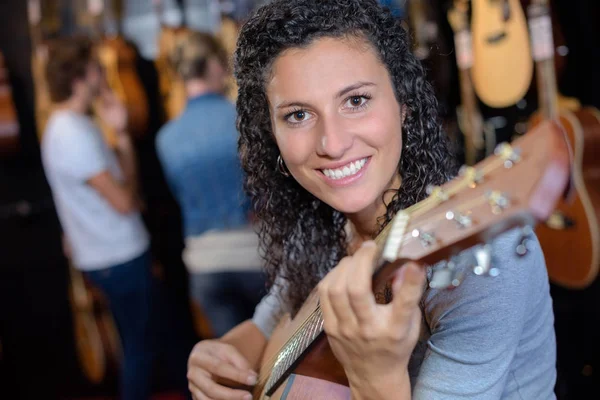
122	196
477	328
248	340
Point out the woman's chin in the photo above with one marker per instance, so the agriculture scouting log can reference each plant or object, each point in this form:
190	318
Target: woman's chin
350	205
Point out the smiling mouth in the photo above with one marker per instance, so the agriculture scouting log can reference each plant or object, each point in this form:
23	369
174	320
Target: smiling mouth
345	171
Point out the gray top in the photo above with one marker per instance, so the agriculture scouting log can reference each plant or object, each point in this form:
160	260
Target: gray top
489	338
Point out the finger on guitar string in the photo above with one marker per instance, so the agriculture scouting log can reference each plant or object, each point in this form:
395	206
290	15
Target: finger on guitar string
337	293
408	288
215	365
208	387
359	282
196	394
330	319
228	352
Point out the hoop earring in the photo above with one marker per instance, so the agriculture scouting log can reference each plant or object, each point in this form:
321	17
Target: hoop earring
281	167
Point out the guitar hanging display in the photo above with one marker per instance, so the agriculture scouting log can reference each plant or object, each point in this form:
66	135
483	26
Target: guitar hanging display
570	238
502	66
172	90
516	187
469	116
39	58
9	123
118	58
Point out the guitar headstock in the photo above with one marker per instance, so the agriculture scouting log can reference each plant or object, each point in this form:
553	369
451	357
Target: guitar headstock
458	15
518	186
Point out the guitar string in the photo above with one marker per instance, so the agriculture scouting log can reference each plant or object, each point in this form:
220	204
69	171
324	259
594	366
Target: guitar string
414	211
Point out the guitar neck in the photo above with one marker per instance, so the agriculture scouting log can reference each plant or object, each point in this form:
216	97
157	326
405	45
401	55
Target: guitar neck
540	25
547	88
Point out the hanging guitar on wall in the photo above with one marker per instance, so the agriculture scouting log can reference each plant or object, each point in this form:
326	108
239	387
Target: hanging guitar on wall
570	238
469	116
502	66
39	59
9	123
118	57
172	90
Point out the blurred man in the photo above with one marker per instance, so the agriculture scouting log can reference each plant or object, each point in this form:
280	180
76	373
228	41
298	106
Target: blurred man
198	152
95	192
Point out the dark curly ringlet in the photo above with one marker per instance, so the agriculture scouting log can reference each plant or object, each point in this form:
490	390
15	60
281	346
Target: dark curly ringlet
301	237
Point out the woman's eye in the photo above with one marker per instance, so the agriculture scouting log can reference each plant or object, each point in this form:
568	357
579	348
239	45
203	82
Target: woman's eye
297	117
356	101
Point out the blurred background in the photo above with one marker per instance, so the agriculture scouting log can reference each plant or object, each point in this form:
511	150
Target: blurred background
57	336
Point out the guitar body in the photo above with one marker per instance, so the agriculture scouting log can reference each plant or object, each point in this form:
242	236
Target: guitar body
502	67
172	89
572	252
98	344
317	375
118	59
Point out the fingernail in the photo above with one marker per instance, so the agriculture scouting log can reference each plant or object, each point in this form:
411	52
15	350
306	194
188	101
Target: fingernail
248	397
369	243
251	380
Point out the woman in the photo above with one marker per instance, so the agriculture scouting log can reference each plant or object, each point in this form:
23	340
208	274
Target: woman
338	132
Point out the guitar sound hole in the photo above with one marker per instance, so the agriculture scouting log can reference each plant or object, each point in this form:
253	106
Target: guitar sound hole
498	37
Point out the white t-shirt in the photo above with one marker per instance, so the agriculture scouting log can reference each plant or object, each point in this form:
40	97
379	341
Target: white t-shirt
73	151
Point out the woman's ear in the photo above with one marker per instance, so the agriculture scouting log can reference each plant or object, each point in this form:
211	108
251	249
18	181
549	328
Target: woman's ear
403	111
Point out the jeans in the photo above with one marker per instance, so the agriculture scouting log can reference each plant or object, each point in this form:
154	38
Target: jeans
130	290
227	298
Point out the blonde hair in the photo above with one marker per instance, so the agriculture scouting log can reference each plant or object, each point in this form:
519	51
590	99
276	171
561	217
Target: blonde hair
192	53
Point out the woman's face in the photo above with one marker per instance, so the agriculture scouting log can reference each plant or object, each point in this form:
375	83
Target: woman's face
337	122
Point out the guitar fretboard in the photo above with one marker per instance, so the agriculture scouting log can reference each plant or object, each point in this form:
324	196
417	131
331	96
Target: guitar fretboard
295	348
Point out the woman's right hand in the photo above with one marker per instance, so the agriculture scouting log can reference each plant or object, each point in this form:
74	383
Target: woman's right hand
211	360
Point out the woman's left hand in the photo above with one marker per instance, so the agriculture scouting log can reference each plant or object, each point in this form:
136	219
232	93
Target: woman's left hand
373	342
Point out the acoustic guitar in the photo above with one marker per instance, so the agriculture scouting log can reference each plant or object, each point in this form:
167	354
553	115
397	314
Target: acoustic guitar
469	116
571	236
118	58
98	343
516	187
172	89
39	58
502	65
9	123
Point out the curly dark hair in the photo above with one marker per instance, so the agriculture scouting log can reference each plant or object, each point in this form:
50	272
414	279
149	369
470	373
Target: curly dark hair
301	237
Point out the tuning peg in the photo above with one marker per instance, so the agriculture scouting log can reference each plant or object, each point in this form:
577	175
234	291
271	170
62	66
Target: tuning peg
436	192
508	154
446	276
427	239
526	233
498	201
483	256
471	174
463	221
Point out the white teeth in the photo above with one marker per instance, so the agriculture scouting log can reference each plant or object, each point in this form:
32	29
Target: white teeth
347	170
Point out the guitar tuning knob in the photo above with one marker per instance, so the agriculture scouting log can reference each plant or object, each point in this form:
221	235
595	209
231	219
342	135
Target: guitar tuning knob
471	174
508	154
483	256
436	192
463	221
427	239
446	276
526	233
498	201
